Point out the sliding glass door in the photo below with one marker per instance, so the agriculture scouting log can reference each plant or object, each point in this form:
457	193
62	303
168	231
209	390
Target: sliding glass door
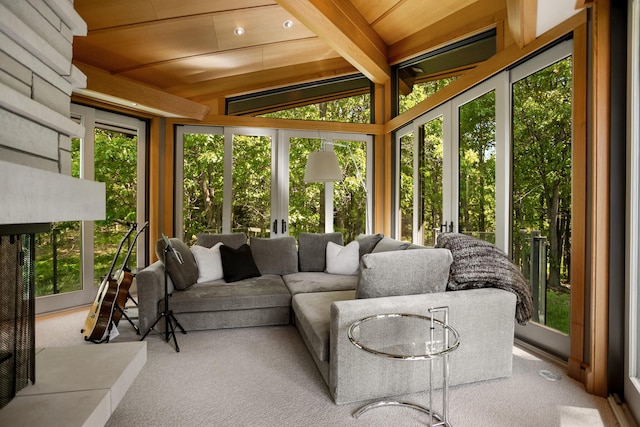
252	180
454	168
541	96
73	257
496	163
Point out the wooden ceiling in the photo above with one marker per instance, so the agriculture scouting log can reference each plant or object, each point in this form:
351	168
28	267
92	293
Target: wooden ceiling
187	49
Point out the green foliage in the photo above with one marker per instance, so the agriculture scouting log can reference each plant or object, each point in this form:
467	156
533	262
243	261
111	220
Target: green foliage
115	164
477	164
542	162
558	310
251	178
420	92
353	109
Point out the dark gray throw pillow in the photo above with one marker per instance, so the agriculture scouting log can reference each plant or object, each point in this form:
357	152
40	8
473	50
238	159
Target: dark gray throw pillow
182	275
387	244
368	242
238	264
312	249
275	256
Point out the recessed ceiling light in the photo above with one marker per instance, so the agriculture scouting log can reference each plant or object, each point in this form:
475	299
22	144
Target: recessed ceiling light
238	31
288	24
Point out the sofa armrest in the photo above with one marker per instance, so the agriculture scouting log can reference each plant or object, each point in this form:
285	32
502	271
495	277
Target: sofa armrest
484	319
150	285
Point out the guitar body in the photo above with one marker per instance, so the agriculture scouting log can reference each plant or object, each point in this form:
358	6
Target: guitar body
125	279
101	311
113	293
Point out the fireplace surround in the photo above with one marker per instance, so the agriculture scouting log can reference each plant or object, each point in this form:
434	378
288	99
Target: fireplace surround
17	310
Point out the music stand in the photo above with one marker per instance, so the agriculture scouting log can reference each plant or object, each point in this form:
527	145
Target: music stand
169	318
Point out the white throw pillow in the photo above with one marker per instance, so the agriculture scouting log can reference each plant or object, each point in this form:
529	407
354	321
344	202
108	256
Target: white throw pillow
209	262
343	259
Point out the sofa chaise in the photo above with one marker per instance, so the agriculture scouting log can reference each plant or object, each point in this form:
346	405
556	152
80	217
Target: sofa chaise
315	284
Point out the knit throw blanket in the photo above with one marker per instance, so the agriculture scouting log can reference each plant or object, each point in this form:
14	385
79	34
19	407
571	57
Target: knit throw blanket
479	264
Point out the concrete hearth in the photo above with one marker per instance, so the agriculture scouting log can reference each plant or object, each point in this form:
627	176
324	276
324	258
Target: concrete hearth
76	386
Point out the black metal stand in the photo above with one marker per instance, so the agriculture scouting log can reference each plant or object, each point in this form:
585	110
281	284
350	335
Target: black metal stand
123	314
167	314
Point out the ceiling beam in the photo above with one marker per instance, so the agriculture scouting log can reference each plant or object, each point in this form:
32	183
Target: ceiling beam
340	24
105	83
522	16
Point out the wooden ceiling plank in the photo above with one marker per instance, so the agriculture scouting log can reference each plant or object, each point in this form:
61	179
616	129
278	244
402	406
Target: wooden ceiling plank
172	8
411	16
522	17
103	82
340	24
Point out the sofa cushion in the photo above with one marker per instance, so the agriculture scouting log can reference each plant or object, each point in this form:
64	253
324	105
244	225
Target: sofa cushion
368	242
312	249
233	240
387	244
182	275
248	294
313	316
275	256
209	262
317	281
417	271
343	259
238	264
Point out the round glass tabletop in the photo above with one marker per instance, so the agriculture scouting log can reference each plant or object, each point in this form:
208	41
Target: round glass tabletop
404	336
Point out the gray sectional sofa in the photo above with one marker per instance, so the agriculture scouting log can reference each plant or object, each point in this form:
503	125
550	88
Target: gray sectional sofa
297	282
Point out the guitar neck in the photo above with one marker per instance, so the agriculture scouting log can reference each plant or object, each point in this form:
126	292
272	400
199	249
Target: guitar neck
132	245
115	258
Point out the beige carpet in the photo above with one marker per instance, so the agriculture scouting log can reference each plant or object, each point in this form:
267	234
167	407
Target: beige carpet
266	377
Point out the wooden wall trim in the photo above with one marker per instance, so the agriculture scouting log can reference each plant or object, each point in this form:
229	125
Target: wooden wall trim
263	122
579	204
154	187
596	373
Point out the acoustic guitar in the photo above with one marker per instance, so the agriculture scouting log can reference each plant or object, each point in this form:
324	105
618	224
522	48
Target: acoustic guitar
124	277
101	311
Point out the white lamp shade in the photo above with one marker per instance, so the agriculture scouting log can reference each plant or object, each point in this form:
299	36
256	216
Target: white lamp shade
322	166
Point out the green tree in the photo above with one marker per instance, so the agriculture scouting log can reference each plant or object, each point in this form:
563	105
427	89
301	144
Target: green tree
542	161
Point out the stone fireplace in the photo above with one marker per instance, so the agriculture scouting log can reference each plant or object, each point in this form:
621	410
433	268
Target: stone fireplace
37	79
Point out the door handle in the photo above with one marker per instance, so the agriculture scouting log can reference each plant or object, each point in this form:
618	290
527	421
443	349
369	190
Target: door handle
284	226
275	226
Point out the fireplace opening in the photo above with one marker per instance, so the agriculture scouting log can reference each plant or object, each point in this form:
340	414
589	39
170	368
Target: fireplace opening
17	313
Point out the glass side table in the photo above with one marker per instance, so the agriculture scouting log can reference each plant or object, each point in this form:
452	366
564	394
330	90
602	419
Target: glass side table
410	337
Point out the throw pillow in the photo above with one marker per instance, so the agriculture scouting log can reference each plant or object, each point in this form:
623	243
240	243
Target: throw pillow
343	259
368	242
235	240
238	264
182	275
418	271
387	244
275	256
209	262
312	249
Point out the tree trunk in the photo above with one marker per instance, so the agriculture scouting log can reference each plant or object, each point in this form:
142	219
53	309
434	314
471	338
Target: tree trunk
554	239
